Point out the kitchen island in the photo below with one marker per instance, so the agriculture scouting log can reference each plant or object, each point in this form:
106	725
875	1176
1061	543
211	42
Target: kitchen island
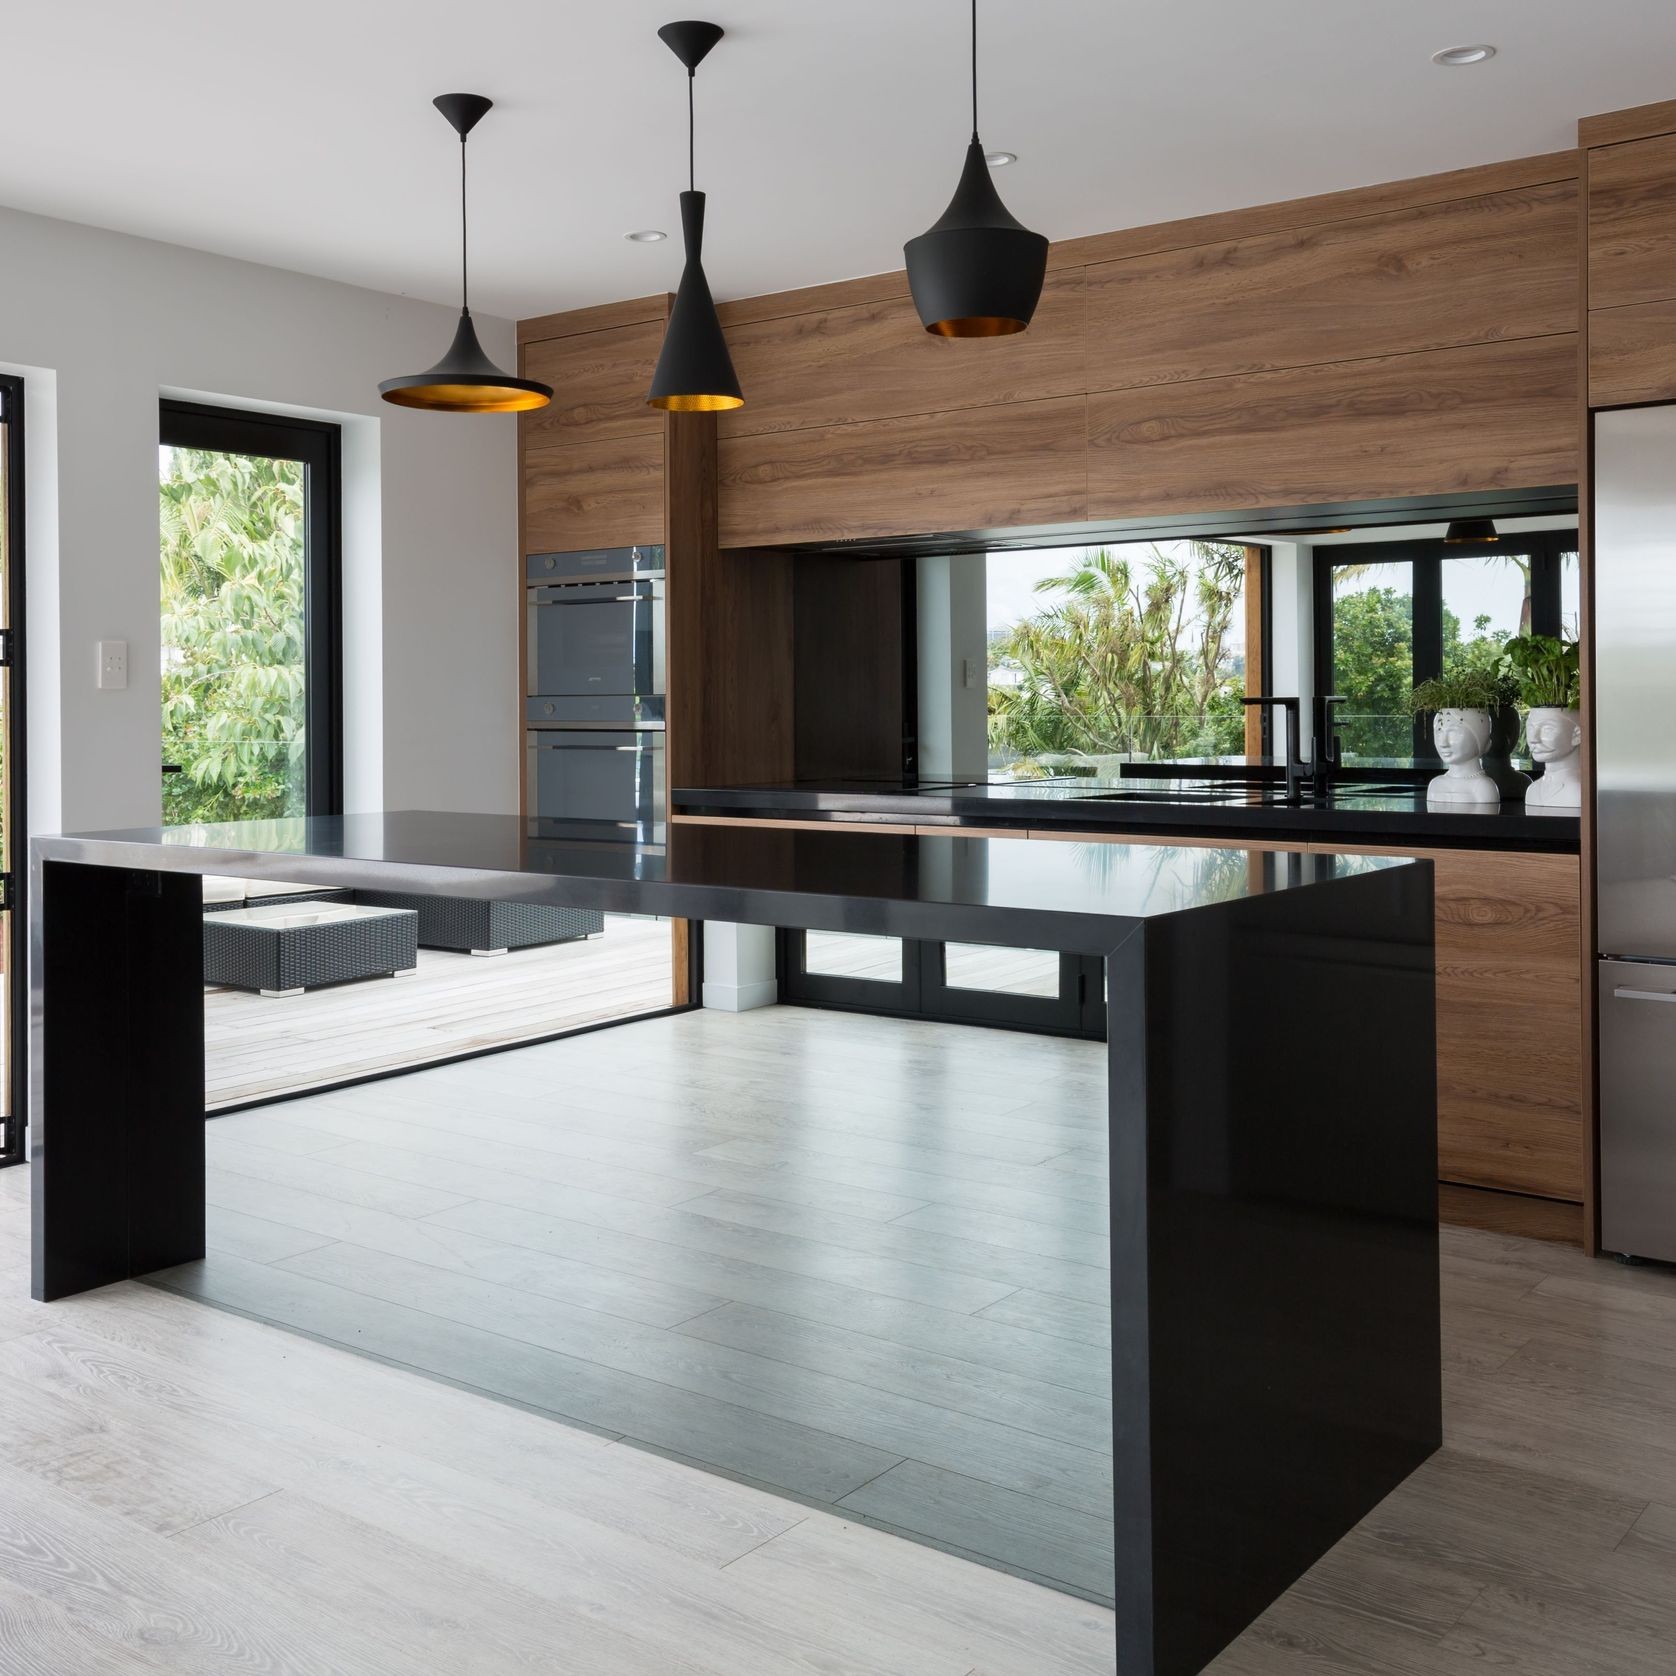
1274	1302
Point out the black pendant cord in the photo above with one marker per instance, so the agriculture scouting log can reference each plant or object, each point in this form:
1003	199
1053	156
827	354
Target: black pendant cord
974	69
692	171
464	294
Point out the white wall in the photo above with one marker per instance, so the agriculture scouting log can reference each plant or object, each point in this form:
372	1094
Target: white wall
102	325
953	672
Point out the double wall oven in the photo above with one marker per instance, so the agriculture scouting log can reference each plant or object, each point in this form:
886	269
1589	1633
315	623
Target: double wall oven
594	696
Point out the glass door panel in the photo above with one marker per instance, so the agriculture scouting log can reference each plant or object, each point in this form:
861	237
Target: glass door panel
845	954
235	735
998	971
1372	630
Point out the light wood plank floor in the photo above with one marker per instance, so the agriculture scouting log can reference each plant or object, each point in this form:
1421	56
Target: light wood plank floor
184	1490
256	1046
855	1260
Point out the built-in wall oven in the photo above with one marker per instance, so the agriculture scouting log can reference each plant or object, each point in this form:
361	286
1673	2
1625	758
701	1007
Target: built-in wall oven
594	701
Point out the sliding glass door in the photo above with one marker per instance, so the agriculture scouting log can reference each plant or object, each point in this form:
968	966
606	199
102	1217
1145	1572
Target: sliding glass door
14	832
251	608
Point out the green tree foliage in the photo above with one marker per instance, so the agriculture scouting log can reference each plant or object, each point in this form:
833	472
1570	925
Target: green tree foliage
1134	660
232	550
1373	666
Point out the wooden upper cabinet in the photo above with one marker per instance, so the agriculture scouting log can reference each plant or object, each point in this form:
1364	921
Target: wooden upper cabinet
971	469
599	384
1472	270
594	494
1632	223
1632	354
875	360
1490	416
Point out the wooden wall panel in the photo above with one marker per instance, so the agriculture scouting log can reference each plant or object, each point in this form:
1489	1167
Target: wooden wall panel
1632	223
848	663
1636	123
1490	416
979	468
1632	354
599	382
594	494
728	633
602	317
875	361
1324	208
1470	270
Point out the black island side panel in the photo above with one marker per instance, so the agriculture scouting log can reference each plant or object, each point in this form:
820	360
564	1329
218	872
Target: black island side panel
1275	1247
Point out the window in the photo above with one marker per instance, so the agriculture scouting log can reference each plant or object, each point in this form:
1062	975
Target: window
248	518
1391	614
1137	652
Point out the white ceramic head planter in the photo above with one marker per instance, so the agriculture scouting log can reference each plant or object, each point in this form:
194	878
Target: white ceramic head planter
1555	736
1462	737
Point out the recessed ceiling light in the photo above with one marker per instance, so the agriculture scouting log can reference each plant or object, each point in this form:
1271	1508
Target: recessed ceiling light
1454	56
1000	159
646	235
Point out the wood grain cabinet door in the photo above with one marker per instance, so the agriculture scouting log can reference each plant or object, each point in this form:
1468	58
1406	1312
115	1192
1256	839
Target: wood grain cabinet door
1487	416
1509	1020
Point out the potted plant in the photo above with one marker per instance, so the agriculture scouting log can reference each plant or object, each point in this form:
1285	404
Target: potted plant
1549	677
1463	708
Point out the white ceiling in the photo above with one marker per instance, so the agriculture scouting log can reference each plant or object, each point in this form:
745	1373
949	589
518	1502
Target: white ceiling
300	133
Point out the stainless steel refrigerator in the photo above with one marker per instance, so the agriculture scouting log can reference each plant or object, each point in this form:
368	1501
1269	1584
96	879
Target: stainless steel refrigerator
1635	825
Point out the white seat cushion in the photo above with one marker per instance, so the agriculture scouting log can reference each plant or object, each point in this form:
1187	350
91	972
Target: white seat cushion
254	888
219	887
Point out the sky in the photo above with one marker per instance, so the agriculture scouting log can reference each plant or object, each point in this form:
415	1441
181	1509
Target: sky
1012	579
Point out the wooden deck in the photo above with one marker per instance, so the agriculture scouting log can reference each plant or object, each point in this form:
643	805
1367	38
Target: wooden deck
256	1047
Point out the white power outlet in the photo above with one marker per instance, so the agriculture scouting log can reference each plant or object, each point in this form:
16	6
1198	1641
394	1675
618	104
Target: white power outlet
113	665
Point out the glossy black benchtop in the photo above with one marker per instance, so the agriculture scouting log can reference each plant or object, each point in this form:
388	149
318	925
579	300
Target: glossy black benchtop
1374	814
1074	897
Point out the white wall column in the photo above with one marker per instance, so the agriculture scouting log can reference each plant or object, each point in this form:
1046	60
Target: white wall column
739	969
1292	630
953	666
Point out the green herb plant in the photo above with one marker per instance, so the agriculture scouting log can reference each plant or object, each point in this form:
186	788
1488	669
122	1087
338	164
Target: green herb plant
1546	671
1467	689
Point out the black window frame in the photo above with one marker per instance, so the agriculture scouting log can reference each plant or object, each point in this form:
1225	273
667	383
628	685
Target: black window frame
1428	556
318	445
924	992
14	883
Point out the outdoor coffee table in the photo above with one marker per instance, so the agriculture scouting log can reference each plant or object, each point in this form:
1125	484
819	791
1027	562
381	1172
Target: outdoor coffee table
285	948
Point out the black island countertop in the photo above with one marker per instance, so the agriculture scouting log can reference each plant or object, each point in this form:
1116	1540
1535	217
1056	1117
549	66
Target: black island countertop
1389	812
938	888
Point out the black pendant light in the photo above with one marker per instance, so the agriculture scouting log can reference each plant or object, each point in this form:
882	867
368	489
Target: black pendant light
465	380
977	273
694	372
1464	530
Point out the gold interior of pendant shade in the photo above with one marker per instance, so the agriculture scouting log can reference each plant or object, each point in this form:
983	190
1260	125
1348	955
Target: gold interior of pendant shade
467	398
696	404
978	326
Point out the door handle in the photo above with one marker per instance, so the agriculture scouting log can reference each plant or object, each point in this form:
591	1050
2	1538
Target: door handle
1643	995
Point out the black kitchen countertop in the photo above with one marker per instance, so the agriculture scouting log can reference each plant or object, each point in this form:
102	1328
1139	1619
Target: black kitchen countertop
1390	812
938	888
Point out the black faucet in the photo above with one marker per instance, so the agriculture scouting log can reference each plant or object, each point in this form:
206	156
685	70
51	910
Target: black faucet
1295	765
1324	746
1325	752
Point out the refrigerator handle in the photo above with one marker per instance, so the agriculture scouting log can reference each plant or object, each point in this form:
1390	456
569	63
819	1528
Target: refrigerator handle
1642	995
